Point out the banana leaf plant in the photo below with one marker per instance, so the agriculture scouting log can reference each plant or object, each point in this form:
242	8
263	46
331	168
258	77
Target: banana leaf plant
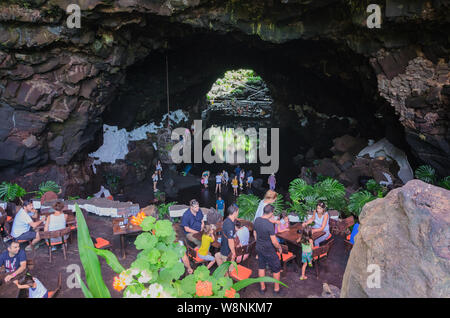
157	270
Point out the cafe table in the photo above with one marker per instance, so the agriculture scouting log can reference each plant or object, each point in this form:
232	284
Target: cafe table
9	289
217	234
123	230
292	236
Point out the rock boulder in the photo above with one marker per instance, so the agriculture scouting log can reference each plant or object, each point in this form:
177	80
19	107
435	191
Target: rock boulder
406	234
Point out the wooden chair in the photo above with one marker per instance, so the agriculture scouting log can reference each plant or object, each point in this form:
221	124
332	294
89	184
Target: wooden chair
285	257
192	254
101	243
243	272
342	227
47	236
321	252
53	293
347	244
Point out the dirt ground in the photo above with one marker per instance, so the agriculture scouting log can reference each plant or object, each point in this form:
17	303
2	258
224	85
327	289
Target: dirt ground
331	270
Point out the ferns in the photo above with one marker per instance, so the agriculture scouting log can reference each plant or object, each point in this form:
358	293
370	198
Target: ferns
248	204
358	200
10	192
445	183
426	174
46	187
163	209
305	196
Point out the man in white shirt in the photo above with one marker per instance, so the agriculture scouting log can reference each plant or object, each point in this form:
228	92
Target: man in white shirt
21	226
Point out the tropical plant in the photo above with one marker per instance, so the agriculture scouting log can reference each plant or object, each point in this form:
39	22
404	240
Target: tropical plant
156	271
305	197
375	188
160	196
248	204
445	183
426	173
279	205
358	200
112	181
9	192
77	197
46	187
163	209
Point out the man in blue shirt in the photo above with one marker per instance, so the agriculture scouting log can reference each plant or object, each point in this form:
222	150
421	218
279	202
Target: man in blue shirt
22	223
220	205
237	170
192	222
14	259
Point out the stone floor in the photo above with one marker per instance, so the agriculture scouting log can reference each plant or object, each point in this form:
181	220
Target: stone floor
331	271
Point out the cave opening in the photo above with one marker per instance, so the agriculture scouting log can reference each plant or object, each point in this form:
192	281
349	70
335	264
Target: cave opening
319	90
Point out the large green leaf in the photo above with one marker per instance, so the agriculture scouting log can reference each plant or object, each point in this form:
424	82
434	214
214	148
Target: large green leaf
89	259
110	258
246	282
426	173
358	200
223	268
87	293
145	241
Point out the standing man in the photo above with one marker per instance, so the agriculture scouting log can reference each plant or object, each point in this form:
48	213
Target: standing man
220	205
267	246
14	259
22	223
228	232
192	222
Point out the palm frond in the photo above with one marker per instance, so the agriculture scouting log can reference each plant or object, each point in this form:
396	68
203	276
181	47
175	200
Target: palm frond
358	200
48	186
445	183
426	173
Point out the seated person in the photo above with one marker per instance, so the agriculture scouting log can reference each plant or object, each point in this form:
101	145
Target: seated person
243	238
21	226
283	226
35	288
192	222
14	259
56	221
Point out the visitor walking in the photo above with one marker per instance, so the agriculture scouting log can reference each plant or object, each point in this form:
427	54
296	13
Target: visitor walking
241	179
220	205
267	247
225	177
155	181
234	185
272	181
307	245
249	180
159	169
219	182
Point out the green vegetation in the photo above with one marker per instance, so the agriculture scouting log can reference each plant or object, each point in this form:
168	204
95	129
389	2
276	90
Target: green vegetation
375	188
157	270
233	84
248	204
46	187
358	200
426	174
163	209
10	192
112	182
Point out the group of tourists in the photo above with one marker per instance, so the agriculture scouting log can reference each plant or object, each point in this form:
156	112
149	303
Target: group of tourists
238	180
265	227
24	230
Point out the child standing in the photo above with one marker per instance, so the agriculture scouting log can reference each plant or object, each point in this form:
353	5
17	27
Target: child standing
225	177
207	239
234	185
241	179
219	182
249	179
155	181
307	244
283	226
159	169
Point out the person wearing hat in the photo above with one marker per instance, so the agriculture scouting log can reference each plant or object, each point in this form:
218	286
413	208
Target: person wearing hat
192	222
